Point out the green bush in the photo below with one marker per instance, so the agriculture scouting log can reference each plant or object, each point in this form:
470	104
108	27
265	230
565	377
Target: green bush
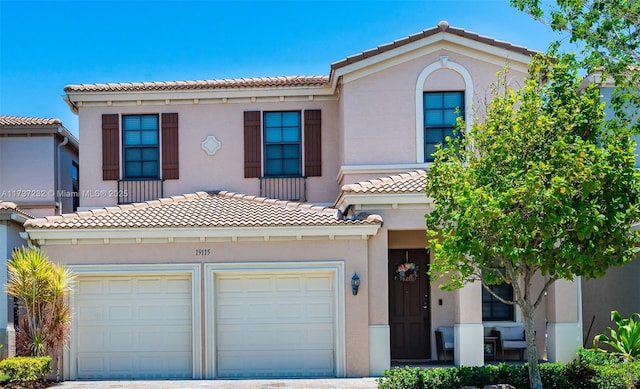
579	374
596	357
25	369
632	371
553	376
609	377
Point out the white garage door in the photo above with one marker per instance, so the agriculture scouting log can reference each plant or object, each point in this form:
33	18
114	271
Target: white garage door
134	327
275	325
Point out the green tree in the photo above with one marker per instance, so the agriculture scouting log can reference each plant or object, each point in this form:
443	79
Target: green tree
608	33
40	287
542	185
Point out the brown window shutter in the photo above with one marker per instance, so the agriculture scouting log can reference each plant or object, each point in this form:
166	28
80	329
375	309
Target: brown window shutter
252	145
312	143
170	168
110	147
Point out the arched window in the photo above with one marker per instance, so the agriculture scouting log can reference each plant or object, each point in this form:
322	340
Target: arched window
436	109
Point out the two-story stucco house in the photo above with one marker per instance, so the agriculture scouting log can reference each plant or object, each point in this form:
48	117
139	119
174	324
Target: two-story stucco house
286	207
38	165
38	177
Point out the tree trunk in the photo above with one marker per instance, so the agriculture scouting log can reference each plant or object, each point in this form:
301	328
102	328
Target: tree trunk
535	382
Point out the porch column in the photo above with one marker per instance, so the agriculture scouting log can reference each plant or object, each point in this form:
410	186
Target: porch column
564	321
468	329
379	332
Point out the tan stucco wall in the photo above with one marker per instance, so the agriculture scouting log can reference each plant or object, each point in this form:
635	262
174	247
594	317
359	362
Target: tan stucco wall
199	171
379	109
352	252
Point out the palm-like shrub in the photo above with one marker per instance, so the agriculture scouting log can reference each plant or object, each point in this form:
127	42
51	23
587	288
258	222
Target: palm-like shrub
40	287
625	341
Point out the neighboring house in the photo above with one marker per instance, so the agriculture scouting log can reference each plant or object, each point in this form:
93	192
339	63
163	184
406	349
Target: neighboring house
11	221
216	279
619	288
38	177
38	165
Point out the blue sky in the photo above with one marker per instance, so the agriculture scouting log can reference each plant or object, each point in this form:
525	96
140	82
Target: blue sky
45	45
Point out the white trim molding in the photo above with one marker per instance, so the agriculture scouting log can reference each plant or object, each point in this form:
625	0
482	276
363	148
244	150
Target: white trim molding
468	344
375	202
379	350
334	267
443	63
563	341
73	236
379	170
192	270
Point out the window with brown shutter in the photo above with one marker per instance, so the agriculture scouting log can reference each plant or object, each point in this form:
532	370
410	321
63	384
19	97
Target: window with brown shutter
170	166
312	143
141	150
110	147
252	145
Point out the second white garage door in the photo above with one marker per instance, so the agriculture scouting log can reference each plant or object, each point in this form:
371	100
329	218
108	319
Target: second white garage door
133	327
275	325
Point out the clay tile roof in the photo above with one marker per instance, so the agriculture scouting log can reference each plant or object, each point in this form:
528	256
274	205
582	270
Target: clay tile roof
443	26
16	121
216	209
7	205
236	83
412	182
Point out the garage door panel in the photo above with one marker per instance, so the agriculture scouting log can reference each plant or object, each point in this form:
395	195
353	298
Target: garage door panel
176	312
120	313
319	284
86	313
288	284
119	287
280	337
275	325
125	365
134	327
90	287
256	284
147	286
310	363
319	310
150	312
276	312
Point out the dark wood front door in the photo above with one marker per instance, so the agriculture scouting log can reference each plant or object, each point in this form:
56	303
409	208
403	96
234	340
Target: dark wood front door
409	309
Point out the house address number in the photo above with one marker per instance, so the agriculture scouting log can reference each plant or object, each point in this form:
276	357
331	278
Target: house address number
203	252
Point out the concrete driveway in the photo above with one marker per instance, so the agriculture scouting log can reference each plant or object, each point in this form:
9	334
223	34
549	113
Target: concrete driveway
333	383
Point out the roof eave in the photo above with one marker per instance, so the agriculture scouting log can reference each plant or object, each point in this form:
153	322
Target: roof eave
440	33
72	236
76	99
372	201
12	215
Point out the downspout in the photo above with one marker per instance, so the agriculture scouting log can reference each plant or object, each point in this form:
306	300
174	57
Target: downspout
59	171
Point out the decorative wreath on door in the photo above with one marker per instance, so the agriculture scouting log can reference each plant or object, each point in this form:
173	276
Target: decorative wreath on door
407	272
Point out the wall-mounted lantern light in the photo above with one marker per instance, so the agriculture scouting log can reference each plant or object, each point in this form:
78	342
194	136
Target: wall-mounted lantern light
355	283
